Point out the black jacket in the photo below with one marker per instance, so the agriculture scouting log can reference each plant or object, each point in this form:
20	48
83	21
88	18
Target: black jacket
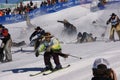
6	38
101	78
116	22
38	33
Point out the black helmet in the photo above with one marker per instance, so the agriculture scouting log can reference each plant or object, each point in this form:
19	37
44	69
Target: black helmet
37	28
1	26
113	14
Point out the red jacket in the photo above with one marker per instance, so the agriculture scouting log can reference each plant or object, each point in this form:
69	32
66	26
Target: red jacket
5	32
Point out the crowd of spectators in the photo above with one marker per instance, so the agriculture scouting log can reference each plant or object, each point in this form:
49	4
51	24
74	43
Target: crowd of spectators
51	2
5	11
20	9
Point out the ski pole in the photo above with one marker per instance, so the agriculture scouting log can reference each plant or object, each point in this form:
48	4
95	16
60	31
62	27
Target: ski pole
75	56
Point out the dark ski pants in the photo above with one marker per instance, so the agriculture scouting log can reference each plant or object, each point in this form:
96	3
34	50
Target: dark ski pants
37	43
1	54
47	57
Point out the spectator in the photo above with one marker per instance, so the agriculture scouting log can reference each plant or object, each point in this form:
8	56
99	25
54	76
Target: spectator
1	13
31	3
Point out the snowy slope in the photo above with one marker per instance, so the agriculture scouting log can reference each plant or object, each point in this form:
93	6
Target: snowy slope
26	63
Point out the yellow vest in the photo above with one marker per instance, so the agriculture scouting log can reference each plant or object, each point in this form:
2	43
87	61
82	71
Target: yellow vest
55	45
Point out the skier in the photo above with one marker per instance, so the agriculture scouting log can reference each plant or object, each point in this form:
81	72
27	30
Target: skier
38	33
7	42
115	25
52	48
79	37
101	4
68	27
85	37
102	71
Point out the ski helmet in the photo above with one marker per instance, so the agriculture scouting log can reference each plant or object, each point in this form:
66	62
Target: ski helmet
100	61
113	14
38	28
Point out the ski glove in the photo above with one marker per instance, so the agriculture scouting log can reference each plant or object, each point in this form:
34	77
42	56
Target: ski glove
63	55
37	53
107	23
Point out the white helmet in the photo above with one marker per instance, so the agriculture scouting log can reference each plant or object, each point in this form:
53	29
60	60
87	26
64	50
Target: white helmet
101	61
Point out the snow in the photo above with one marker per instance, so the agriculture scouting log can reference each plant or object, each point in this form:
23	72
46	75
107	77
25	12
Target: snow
26	63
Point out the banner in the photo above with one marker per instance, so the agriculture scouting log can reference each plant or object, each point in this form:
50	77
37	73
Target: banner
8	19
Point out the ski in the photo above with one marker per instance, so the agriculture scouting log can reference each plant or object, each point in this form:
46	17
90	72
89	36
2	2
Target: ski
39	73
44	72
111	41
50	72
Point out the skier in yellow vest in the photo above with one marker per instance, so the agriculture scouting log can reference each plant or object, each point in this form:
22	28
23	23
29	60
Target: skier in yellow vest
115	26
51	48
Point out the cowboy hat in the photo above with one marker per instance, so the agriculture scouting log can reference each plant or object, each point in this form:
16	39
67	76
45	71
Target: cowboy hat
48	35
